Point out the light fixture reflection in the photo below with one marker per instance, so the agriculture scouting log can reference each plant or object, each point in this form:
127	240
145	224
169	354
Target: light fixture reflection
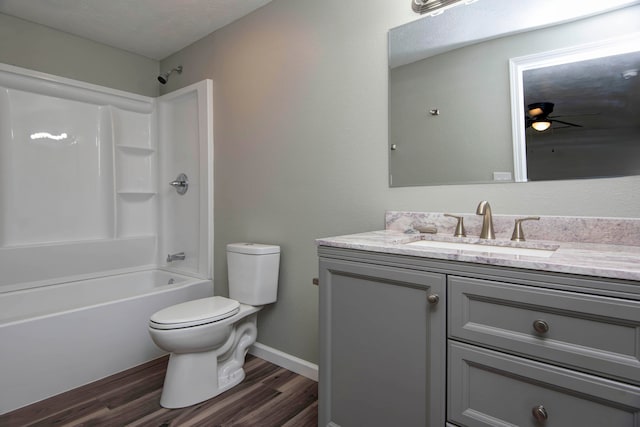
535	112
436	7
537	115
46	135
541	125
538	109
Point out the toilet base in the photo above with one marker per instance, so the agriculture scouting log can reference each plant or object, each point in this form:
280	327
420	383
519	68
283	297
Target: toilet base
192	378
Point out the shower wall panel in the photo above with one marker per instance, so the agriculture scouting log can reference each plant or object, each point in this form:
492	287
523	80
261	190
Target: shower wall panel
56	176
185	139
78	173
5	135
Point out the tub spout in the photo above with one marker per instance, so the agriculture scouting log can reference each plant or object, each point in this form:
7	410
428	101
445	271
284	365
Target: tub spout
176	257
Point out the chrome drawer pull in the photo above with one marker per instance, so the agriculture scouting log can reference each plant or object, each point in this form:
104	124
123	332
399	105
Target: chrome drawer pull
433	299
539	413
541	326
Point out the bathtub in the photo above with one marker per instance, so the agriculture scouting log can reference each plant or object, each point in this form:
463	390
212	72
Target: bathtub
55	338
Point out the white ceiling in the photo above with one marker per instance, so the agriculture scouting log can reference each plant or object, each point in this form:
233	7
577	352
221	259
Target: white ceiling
152	28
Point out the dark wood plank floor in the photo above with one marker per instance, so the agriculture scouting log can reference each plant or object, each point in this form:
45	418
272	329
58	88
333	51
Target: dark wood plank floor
269	396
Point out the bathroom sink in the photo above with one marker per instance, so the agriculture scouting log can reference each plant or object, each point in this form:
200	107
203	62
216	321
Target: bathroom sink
481	247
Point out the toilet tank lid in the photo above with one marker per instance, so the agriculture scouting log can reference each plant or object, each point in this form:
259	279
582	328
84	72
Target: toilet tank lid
253	248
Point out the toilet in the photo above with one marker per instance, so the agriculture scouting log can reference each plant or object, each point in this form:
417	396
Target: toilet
208	338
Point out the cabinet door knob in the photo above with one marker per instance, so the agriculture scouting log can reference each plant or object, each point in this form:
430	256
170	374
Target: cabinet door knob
433	299
541	326
539	413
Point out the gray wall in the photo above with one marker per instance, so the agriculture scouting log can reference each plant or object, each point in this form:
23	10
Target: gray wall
36	47
300	111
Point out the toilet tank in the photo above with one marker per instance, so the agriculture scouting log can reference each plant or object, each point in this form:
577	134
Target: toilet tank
253	272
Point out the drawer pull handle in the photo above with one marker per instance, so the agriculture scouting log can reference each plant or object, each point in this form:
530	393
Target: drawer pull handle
540	413
541	326
433	299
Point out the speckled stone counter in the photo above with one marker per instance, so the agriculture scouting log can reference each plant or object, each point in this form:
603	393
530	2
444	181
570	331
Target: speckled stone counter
600	247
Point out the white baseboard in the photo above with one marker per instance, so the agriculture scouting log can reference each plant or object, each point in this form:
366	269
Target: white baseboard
284	360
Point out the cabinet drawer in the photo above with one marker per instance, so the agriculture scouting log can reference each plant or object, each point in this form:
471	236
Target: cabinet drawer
591	333
488	388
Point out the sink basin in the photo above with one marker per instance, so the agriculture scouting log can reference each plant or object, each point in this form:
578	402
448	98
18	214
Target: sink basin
477	247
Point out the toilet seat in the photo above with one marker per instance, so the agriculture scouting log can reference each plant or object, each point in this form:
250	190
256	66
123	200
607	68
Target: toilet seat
194	313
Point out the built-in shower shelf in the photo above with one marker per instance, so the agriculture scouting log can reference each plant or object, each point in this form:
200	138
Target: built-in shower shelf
136	149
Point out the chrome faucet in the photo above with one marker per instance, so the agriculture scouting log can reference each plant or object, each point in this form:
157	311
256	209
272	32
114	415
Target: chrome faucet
484	209
176	257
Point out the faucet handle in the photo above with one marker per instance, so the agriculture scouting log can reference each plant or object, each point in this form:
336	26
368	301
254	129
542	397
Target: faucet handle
518	234
460	232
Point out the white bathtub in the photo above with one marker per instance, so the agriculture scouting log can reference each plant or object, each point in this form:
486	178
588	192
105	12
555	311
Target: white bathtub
55	338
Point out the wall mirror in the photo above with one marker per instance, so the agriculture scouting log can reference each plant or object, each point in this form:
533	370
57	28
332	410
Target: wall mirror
585	103
452	119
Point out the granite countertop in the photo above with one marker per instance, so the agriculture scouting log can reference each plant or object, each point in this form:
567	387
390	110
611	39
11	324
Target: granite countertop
617	261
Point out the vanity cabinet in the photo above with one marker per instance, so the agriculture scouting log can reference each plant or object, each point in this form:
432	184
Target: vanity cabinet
383	346
522	347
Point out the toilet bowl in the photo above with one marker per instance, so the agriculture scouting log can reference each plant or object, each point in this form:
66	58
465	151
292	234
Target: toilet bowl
208	338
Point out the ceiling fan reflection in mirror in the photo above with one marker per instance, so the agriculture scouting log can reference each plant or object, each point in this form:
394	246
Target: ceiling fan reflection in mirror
436	7
538	117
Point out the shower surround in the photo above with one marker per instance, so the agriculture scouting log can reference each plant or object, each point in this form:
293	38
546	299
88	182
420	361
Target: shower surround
85	194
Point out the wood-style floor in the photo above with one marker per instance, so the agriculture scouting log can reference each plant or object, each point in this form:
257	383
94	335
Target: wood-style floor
269	396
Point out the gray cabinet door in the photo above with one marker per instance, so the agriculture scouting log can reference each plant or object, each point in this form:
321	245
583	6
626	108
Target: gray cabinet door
382	346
